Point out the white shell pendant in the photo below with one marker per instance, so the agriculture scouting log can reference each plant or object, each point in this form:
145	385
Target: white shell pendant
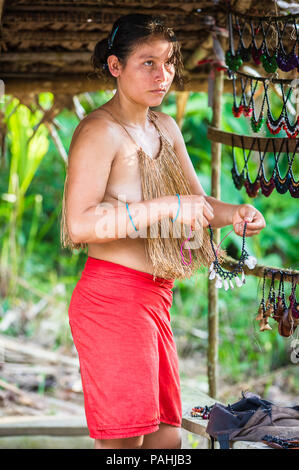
225	284
238	281
218	283
211	267
250	262
212	275
231	284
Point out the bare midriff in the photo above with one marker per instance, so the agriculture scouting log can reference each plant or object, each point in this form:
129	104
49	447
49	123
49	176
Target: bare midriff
124	185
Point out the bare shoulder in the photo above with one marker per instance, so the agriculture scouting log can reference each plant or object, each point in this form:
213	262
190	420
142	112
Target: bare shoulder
96	131
98	122
168	126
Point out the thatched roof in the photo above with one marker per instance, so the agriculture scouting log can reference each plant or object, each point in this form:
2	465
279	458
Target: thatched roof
47	44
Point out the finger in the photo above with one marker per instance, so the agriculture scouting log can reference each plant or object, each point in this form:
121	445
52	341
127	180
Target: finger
258	225
254	232
199	223
209	214
206	203
248	213
205	222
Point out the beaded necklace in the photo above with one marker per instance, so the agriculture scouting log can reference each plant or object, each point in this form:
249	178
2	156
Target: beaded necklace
218	273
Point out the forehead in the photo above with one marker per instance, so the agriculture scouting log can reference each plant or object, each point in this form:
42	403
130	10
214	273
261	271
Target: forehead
154	48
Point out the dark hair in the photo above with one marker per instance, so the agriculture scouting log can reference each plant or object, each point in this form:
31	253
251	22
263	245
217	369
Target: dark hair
127	32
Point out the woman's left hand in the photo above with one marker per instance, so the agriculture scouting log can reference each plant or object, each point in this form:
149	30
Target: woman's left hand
247	213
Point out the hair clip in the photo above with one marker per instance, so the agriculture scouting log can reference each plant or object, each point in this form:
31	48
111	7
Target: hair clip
110	41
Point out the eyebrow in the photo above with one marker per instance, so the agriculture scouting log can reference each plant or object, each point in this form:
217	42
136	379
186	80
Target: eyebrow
145	56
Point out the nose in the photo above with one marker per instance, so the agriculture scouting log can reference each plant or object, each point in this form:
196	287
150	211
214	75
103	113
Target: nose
161	73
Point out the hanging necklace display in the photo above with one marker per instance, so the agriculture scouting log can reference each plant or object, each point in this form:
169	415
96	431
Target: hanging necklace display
287	183
276	307
287	323
243	108
294	305
275	125
282	185
256	124
281	305
216	271
265	311
243	24
287	62
248	109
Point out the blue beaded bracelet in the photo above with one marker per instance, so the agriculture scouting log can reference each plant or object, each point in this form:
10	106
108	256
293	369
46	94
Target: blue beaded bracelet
173	220
131	217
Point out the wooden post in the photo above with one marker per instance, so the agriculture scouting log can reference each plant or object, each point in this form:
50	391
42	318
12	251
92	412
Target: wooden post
215	192
1	10
181	102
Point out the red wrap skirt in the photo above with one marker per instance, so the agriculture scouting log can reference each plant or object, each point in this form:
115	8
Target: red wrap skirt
121	327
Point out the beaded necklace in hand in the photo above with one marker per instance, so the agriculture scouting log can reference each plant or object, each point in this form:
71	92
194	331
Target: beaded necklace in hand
220	274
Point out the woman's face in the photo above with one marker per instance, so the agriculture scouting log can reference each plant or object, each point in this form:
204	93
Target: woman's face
148	69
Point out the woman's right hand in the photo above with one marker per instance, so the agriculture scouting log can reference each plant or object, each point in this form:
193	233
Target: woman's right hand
194	210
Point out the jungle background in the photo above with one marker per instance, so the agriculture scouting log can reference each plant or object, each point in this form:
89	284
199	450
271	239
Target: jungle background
38	276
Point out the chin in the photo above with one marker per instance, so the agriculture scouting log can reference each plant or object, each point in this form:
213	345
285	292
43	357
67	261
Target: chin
157	98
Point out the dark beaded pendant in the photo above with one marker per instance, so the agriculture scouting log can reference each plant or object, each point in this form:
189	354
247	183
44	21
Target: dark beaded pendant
282	184
238	179
256	54
252	189
294	185
267	186
269	63
237	110
256	125
287	62
245	52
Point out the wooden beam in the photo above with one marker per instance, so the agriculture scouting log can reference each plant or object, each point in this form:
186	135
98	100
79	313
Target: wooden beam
100	16
90	7
217	135
40	354
31	57
230	263
48	36
1	10
43	426
34	83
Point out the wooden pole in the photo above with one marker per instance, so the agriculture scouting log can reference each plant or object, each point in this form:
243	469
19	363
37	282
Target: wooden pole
1	10
181	102
213	307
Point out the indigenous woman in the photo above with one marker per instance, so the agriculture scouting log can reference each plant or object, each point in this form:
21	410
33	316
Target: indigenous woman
131	197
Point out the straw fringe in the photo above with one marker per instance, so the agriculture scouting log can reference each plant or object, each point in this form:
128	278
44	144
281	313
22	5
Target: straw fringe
162	176
65	240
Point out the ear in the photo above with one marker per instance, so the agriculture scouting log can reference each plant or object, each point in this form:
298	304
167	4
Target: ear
114	65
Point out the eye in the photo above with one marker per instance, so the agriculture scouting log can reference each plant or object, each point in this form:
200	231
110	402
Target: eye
148	61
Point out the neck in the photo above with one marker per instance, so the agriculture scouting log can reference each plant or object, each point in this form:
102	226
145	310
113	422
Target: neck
130	113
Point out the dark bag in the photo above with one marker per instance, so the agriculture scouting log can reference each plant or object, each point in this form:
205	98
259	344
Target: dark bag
250	419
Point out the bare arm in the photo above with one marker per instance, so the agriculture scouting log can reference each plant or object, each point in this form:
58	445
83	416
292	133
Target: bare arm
223	212
92	151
